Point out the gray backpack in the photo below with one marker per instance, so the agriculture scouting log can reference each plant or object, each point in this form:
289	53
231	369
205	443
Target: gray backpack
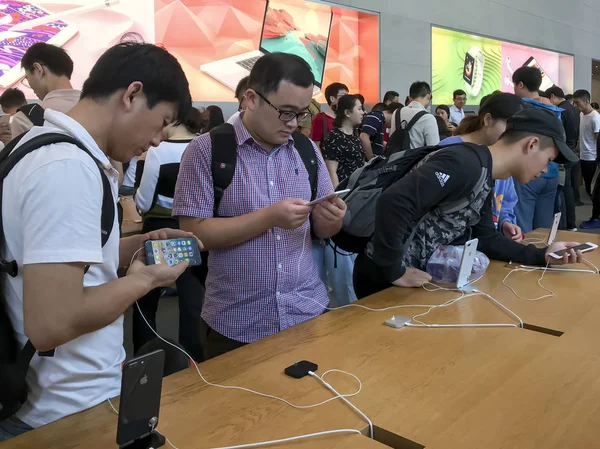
368	183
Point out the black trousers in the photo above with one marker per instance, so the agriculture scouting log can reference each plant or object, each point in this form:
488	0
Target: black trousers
216	344
367	278
190	291
566	200
588	170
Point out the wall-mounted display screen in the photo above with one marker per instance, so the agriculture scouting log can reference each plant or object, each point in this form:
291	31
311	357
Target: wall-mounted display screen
480	65
216	42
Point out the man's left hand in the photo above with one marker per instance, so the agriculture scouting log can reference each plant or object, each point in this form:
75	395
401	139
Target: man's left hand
167	233
569	257
331	211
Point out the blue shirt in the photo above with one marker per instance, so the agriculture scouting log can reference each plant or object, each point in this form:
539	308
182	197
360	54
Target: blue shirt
505	196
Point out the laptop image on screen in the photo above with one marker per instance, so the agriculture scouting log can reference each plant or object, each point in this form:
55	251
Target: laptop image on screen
288	29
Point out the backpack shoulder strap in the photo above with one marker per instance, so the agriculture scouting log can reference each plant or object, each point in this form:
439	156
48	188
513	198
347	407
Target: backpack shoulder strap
415	119
224	158
397	119
34	112
307	153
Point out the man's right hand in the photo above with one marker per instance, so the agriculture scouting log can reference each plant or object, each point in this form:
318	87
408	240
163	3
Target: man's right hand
290	213
413	278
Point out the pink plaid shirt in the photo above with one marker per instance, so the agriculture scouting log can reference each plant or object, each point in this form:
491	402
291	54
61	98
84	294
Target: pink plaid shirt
261	286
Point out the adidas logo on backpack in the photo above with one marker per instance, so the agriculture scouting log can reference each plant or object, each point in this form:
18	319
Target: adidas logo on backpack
442	178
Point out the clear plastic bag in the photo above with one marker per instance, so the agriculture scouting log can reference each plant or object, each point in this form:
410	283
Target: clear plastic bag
444	264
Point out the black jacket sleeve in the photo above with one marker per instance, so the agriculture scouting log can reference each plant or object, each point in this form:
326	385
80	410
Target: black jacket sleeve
497	246
448	175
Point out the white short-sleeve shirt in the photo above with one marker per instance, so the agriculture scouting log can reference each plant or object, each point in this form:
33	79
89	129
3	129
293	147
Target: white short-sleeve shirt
51	209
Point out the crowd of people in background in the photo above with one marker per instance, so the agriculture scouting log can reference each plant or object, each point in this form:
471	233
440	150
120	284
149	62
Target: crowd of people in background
242	188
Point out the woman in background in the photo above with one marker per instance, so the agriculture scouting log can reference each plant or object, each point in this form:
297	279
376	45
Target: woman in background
485	129
159	168
212	117
342	149
443	111
343	153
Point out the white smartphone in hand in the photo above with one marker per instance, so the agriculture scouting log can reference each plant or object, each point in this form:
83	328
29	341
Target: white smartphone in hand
554	230
328	197
584	248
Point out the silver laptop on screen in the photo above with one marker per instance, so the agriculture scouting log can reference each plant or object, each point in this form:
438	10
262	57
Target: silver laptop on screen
286	28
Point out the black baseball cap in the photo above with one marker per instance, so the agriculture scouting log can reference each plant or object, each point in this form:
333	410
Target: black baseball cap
539	121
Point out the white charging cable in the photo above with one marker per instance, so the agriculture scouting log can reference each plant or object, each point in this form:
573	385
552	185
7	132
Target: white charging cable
233	387
551	294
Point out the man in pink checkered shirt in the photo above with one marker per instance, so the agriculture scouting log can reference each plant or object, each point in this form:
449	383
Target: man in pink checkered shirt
262	277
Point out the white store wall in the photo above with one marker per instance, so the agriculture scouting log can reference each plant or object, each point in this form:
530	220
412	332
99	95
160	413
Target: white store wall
566	26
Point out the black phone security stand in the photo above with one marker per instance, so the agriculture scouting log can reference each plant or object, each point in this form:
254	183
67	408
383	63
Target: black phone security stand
152	441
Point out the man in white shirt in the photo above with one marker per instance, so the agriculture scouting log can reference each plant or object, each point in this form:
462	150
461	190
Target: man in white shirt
48	71
457	111
425	131
52	202
589	130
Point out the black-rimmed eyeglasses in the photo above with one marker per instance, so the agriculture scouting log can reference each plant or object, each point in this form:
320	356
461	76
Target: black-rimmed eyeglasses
287	116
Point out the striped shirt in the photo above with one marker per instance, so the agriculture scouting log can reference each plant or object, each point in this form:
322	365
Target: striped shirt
374	126
270	282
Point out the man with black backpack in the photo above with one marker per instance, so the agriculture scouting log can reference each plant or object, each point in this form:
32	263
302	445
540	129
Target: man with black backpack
61	247
442	197
48	71
262	277
417	127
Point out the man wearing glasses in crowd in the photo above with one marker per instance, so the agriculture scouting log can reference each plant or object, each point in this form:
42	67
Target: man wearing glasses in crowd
262	277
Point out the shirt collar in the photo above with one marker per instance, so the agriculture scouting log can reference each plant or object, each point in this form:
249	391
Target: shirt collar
64	123
454	108
63	93
416	105
243	136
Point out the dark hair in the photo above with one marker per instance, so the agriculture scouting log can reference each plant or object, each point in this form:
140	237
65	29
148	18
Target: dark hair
500	106
360	98
273	68
556	91
407	101
333	90
582	94
378	107
442	127
215	117
193	122
543	94
443	107
241	88
158	70
487	97
512	136
569	97
392	107
458	92
531	77
12	98
595	105
55	58
345	103
390	95
419	89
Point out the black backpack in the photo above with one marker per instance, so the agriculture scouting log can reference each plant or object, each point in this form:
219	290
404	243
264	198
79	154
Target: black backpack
400	139
224	159
14	364
34	112
368	183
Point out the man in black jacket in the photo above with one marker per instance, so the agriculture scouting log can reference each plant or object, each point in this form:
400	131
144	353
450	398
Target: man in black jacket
570	119
532	139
